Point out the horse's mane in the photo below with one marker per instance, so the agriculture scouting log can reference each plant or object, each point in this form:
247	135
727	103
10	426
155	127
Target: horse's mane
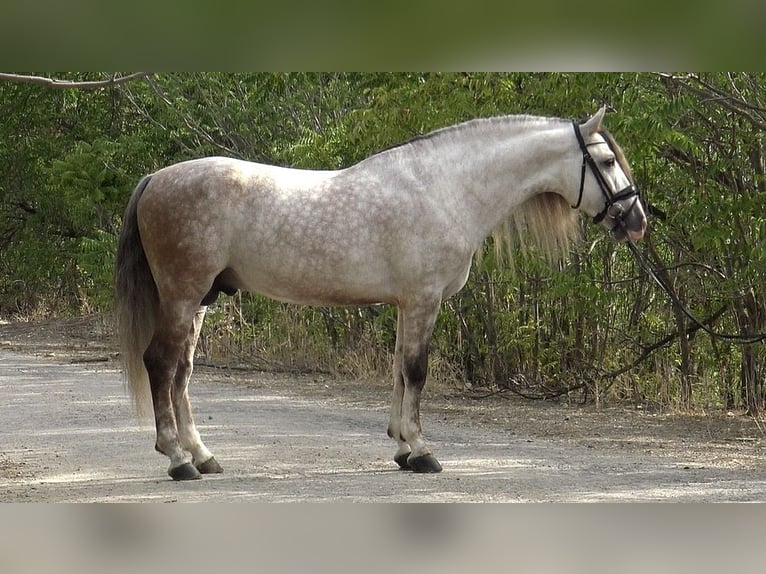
469	124
545	222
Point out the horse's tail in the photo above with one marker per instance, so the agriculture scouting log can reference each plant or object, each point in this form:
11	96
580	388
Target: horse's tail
136	304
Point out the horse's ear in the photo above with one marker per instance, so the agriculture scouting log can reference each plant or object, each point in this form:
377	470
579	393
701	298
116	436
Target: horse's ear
593	125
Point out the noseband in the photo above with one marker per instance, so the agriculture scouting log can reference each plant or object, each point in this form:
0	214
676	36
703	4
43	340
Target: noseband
613	209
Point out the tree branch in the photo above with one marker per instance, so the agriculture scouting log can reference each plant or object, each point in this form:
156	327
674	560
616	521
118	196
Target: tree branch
710	94
191	124
68	84
647	351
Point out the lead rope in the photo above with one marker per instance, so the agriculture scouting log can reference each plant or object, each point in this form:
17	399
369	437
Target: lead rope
647	267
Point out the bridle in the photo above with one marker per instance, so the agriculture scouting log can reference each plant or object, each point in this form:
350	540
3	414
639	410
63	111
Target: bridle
614	210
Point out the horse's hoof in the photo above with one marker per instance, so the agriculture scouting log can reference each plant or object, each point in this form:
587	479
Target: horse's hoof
401	460
186	471
425	463
210	466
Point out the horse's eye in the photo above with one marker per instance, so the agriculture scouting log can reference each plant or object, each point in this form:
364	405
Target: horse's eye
609	162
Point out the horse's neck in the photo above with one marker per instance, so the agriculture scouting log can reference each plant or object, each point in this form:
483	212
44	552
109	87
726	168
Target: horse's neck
488	171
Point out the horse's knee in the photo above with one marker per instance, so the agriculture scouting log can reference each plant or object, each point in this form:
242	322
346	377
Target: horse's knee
415	368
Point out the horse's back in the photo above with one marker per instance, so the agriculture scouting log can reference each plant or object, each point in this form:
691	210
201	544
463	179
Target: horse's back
221	175
220	191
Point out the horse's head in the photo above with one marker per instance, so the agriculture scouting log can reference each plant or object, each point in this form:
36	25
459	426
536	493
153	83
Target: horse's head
607	191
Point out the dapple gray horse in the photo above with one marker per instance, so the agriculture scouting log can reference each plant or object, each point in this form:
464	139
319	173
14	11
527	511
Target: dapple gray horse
400	227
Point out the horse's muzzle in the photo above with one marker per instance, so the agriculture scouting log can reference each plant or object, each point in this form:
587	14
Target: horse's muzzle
629	224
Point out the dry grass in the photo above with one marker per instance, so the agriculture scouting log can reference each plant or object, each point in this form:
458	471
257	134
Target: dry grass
291	343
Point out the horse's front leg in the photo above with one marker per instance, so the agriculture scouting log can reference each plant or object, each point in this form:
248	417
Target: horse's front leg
418	323
397	396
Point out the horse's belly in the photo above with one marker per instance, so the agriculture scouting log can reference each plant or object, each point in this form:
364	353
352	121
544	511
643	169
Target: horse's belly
323	297
310	288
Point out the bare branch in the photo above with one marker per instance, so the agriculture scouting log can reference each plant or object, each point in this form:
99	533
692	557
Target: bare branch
67	84
191	124
711	94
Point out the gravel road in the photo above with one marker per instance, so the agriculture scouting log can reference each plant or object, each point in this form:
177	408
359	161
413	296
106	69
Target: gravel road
67	433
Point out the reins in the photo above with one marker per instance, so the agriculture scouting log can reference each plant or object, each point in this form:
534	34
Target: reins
647	267
618	214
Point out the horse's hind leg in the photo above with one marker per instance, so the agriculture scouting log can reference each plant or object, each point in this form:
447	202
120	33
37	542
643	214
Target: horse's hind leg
188	435
161	360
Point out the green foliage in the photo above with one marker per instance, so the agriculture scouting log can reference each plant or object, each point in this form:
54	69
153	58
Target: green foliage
592	326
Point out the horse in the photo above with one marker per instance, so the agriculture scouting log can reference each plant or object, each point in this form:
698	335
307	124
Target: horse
400	227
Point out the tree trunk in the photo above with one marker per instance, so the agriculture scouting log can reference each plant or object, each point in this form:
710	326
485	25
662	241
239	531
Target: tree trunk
751	320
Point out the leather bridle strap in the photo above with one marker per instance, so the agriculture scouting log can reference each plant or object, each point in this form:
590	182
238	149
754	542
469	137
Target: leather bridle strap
611	198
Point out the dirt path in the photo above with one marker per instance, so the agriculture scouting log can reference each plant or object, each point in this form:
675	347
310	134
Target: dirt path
67	434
